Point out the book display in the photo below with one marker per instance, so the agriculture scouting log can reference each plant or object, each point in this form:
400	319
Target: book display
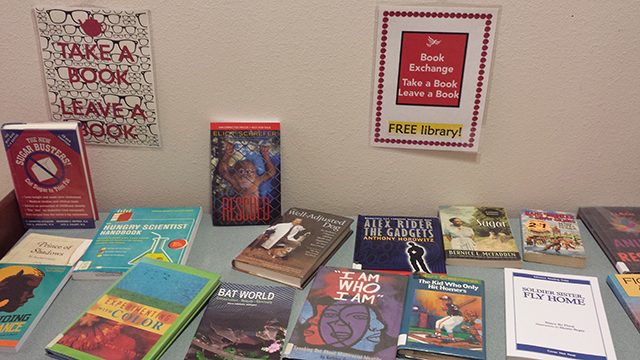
291	250
129	234
552	237
478	236
50	171
399	244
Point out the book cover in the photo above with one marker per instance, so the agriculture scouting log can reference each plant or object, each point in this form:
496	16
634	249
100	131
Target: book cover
626	287
245	173
617	230
50	172
26	292
399	244
349	314
478	236
129	234
291	250
443	317
552	237
243	321
47	249
139	316
555	316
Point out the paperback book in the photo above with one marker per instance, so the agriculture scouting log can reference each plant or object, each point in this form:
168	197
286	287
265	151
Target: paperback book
617	230
139	316
47	249
26	292
552	237
443	318
478	236
399	244
294	247
349	314
555	316
626	287
50	172
245	172
130	234
243	321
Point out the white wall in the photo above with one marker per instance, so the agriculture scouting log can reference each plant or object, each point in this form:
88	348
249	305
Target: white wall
562	125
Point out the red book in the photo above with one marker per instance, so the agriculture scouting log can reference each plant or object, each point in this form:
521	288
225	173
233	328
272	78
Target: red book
50	172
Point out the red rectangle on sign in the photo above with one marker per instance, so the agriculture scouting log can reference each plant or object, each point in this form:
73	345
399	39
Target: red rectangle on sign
431	68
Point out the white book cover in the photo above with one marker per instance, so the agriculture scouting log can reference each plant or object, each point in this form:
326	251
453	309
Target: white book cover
555	316
47	250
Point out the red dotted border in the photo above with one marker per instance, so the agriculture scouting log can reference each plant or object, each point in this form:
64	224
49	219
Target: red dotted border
480	84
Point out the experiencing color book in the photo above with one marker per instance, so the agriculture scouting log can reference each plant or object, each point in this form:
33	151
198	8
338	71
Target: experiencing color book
555	316
129	234
245	173
626	287
443	318
617	230
478	236
246	321
349	314
399	244
26	292
50	172
552	237
291	250
139	316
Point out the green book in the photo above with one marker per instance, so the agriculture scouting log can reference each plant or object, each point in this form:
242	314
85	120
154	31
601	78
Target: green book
139	316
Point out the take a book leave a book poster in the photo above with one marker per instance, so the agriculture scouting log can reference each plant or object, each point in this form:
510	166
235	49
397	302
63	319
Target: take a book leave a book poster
98	70
432	70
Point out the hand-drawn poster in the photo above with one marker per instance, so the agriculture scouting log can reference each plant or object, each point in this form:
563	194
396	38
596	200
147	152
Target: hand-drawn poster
98	70
432	71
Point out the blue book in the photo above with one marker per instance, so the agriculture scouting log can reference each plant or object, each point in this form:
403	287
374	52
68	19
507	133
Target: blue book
399	244
26	292
129	234
443	318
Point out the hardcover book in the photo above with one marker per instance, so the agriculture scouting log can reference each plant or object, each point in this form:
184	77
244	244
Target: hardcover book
50	172
626	287
617	230
349	314
139	316
399	244
47	249
555	316
294	247
26	292
243	321
129	234
245	173
478	236
443	318
552	237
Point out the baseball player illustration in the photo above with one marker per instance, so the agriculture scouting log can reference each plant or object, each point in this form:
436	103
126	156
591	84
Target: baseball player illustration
472	325
453	318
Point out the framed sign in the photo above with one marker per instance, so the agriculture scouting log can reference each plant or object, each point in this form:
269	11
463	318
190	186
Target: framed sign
432	69
98	71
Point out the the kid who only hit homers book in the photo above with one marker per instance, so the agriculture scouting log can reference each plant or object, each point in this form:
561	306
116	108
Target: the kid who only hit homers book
139	316
245	173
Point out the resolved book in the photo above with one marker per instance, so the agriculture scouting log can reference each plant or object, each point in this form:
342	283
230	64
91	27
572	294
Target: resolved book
478	236
399	244
129	234
617	230
555	316
139	316
26	292
349	314
552	237
245	169
50	172
294	247
249	321
443	318
626	287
